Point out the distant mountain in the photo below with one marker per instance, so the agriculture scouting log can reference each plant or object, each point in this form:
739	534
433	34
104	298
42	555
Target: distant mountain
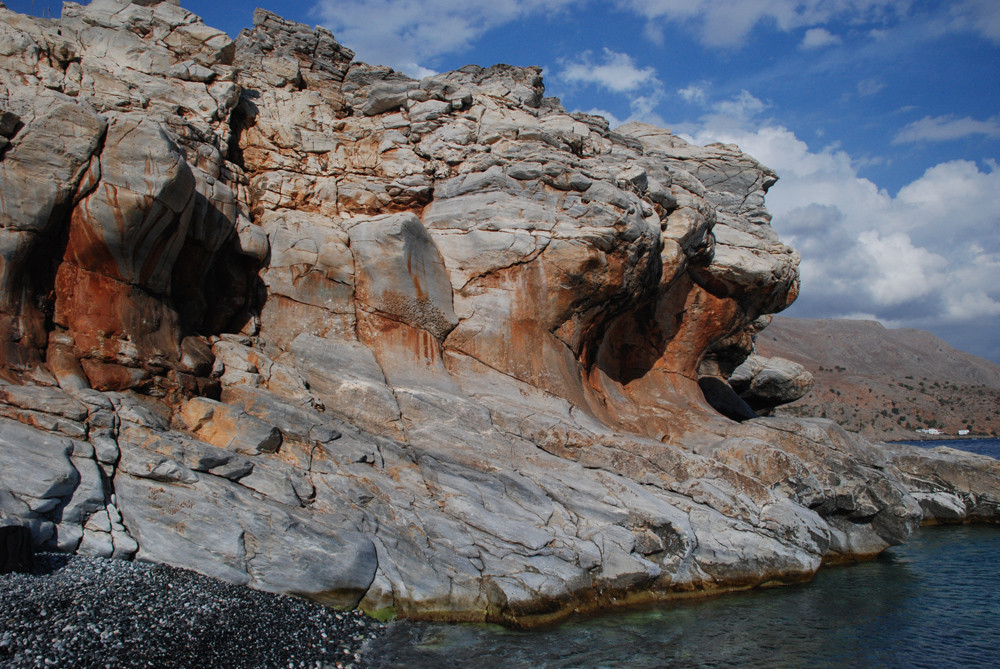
886	383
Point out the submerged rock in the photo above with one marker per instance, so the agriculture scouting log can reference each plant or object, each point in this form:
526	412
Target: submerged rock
431	348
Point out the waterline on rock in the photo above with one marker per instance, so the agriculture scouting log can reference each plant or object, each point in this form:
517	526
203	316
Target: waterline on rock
930	602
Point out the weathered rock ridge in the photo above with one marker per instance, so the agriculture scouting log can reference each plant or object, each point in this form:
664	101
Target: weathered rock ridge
430	347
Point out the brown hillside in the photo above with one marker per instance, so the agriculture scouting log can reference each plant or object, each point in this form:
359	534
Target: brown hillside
886	383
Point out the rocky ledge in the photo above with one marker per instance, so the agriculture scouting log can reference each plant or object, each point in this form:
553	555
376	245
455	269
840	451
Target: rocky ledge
428	348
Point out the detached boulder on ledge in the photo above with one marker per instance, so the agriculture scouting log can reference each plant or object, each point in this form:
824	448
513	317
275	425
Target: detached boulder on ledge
766	383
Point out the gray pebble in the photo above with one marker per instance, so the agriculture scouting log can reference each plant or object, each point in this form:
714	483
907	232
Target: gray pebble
77	611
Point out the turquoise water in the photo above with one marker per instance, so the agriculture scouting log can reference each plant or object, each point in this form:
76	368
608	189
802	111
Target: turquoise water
934	602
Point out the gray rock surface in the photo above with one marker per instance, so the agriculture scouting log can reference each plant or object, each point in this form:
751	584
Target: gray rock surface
766	383
430	348
951	485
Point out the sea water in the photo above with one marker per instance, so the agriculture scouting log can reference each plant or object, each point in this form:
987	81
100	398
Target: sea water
990	447
933	602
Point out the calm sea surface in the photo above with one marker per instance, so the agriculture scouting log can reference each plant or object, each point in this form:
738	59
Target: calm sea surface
934	602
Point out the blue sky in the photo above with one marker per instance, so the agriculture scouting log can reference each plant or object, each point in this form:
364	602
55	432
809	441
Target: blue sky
882	118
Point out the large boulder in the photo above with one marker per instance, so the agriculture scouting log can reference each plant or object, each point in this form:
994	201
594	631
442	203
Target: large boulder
765	383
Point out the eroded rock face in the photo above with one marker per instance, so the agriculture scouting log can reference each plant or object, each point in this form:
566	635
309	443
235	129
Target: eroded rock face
426	346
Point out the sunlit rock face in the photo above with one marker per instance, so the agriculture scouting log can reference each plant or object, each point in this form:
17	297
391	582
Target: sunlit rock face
423	346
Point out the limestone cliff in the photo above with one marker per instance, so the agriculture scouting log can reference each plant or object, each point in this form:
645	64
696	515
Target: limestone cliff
430	347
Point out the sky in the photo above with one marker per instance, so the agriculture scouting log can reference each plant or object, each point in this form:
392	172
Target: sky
881	117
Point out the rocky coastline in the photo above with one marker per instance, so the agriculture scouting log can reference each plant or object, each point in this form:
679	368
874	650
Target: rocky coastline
434	349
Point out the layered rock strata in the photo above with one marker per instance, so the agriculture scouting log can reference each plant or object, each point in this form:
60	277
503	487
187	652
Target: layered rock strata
425	347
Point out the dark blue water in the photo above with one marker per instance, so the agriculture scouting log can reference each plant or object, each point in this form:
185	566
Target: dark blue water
934	602
990	447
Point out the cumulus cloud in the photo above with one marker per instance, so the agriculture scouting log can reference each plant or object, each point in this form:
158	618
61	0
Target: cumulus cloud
944	128
406	33
742	106
613	71
927	257
736	109
816	38
616	73
902	272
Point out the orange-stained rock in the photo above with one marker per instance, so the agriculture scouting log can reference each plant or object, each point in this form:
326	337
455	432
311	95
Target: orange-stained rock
430	346
228	427
132	226
41	173
400	273
114	321
64	364
106	376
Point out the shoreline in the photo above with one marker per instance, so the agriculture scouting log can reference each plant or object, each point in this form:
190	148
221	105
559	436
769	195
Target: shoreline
940	437
863	615
99	612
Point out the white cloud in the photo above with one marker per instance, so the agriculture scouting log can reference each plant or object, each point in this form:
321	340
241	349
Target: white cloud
653	33
616	72
643	108
901	272
405	33
978	16
944	128
726	23
742	106
816	38
867	87
928	257
695	94
977	304
417	71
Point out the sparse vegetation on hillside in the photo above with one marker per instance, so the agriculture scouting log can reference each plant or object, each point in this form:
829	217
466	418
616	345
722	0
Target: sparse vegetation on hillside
887	393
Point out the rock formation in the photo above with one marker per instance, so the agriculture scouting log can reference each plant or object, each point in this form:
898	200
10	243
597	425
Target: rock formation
766	383
425	347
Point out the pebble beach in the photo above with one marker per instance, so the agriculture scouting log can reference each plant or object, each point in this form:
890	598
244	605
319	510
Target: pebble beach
74	611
